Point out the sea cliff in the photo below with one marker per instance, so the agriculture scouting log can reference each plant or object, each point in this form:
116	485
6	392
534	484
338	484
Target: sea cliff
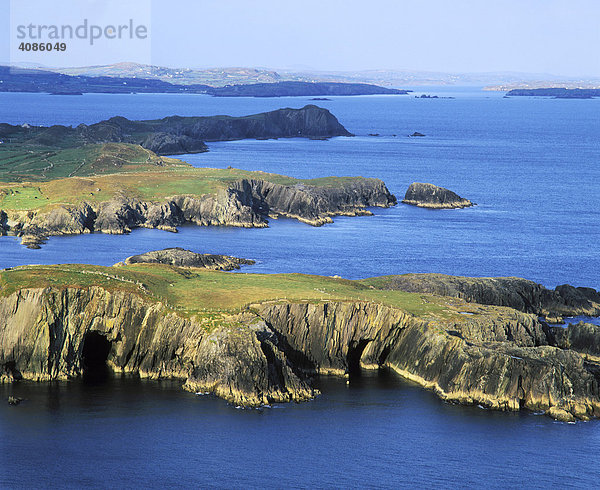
267	350
245	203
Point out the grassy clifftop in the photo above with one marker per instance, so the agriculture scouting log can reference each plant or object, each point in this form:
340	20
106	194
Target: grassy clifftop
96	173
194	291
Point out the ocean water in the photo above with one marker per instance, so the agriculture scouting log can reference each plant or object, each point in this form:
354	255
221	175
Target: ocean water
531	165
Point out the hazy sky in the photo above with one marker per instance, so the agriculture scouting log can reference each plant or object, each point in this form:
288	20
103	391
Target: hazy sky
560	37
536	36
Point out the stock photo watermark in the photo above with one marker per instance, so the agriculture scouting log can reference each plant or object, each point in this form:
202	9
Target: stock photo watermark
80	33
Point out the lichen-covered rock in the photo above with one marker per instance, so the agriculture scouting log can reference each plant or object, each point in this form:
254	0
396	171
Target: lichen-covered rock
44	332
432	196
509	366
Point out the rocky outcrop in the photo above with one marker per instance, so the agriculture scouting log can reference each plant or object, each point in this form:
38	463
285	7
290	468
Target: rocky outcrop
434	197
316	205
49	334
247	203
508	367
581	337
514	292
180	257
498	357
172	144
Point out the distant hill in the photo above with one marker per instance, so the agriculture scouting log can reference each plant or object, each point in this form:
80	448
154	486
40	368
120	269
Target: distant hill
214	77
559	93
35	80
290	89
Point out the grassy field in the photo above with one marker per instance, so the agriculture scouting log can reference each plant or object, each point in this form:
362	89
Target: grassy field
196	291
21	163
96	173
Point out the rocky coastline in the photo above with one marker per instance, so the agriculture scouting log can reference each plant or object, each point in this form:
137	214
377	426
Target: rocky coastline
494	356
245	203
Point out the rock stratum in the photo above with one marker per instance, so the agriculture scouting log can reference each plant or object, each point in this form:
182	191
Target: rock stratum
434	197
268	351
245	203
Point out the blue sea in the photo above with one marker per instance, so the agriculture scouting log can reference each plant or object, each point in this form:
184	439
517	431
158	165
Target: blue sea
532	167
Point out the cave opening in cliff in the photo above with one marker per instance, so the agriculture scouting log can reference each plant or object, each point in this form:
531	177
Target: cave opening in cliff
355	352
96	348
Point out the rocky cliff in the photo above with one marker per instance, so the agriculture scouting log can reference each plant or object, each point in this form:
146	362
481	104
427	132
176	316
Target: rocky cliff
520	294
501	363
49	334
498	357
246	203
177	135
179	257
434	197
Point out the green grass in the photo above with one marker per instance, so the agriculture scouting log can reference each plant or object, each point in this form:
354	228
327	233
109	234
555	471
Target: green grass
20	163
113	169
196	291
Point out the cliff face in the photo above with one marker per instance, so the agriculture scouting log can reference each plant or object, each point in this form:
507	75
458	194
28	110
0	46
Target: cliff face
432	196
48	334
246	203
499	358
503	363
180	257
520	294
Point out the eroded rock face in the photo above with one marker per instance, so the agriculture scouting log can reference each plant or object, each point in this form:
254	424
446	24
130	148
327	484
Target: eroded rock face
501	363
180	257
43	333
434	197
499	357
247	203
514	292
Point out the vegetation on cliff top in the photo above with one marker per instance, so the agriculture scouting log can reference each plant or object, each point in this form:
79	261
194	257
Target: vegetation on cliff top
192	291
96	173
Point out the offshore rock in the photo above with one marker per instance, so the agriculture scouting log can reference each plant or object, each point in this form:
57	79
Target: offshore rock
434	197
180	257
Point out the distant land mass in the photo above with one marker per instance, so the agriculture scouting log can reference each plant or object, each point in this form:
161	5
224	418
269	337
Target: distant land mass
291	89
224	76
34	80
170	135
558	93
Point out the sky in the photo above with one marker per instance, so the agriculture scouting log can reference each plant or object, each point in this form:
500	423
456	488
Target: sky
459	36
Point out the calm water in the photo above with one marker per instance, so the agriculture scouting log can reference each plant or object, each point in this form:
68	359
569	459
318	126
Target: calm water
532	167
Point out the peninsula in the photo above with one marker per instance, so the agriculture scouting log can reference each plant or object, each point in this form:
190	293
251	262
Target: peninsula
255	339
175	134
177	81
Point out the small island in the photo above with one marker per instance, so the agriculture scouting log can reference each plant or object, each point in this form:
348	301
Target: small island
434	197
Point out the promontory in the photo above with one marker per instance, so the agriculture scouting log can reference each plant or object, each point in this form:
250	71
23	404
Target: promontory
255	339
